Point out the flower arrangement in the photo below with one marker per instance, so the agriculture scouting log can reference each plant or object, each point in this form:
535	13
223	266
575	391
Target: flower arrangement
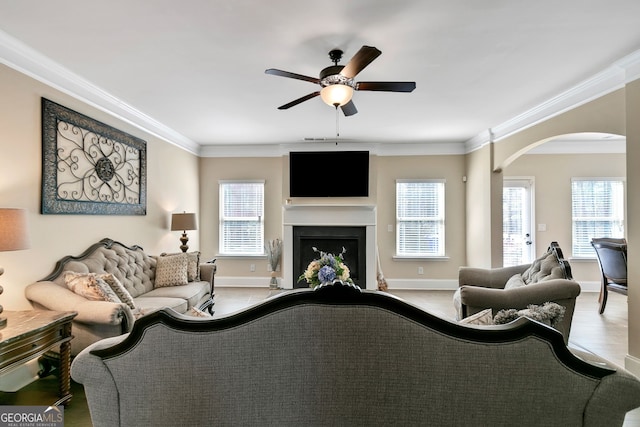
326	269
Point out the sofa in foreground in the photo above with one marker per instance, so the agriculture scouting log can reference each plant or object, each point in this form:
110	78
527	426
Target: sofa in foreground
338	355
110	285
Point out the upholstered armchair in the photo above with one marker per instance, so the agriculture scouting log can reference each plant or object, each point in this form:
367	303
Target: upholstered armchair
547	279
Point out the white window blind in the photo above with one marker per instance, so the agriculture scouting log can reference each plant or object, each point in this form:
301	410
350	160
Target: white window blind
241	217
597	211
420	218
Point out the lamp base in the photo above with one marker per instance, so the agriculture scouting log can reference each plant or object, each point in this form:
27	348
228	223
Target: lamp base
184	239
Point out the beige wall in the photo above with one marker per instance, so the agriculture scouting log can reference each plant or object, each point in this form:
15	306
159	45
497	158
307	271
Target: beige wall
212	170
383	173
451	168
54	236
605	114
552	186
633	224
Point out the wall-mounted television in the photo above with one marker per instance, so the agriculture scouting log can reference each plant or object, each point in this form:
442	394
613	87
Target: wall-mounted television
329	174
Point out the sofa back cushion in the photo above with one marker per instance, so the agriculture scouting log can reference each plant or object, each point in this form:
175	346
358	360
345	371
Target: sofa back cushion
132	267
544	268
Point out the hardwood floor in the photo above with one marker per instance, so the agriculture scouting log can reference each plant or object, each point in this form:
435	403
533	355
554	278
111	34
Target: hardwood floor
605	335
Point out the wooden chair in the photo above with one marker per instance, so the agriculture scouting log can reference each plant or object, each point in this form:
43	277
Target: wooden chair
612	257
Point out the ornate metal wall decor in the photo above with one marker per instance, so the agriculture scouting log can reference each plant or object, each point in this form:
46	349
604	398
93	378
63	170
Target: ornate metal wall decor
89	167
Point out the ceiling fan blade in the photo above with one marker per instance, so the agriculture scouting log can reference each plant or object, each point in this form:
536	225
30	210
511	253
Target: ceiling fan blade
299	100
361	59
387	86
349	109
281	73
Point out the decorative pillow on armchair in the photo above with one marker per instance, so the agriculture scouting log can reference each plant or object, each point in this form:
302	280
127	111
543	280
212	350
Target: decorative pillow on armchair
171	271
548	313
484	317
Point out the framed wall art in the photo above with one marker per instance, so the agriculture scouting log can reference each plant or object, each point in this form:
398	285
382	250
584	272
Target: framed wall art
89	167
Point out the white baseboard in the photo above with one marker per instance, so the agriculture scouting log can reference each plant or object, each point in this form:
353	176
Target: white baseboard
263	282
244	282
423	284
400	284
632	364
590	286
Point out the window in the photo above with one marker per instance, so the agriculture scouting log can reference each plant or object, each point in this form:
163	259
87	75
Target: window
420	218
597	211
241	217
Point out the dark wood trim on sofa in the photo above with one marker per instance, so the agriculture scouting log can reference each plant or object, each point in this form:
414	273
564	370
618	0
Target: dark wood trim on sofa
338	294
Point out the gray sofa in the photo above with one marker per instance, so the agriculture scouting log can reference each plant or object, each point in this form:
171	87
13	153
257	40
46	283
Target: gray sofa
547	279
339	356
136	271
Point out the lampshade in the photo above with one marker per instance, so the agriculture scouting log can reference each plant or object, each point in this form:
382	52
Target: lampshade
183	221
336	94
14	232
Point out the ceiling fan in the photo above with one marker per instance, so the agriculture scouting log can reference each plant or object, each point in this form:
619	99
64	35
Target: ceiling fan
337	81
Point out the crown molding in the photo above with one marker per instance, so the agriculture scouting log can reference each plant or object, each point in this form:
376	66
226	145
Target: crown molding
378	149
612	78
28	61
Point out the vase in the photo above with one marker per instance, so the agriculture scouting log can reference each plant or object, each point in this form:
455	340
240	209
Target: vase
273	284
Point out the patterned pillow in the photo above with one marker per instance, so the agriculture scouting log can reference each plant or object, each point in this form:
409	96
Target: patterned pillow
484	317
196	312
193	264
118	288
171	271
91	287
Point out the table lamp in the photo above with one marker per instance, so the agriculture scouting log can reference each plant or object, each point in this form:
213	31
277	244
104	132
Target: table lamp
14	236
183	221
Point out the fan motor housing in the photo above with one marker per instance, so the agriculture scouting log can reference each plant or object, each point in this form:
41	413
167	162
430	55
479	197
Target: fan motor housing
329	71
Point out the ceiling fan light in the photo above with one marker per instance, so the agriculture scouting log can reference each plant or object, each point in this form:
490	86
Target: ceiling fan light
336	95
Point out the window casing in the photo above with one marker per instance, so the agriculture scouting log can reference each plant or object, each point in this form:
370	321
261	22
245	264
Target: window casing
241	218
597	211
420	218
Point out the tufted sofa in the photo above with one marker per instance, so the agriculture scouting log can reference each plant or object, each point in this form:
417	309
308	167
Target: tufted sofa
547	279
187	286
340	356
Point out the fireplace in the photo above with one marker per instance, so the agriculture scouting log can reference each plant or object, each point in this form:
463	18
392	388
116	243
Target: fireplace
330	239
335	219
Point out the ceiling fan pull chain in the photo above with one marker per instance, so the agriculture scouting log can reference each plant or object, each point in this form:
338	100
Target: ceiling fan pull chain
337	125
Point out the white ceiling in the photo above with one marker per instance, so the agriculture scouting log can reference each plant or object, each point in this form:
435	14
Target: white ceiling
193	71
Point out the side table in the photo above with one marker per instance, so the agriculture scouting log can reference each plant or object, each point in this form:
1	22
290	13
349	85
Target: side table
31	333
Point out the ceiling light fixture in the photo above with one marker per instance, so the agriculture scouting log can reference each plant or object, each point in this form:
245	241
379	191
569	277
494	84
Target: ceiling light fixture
336	95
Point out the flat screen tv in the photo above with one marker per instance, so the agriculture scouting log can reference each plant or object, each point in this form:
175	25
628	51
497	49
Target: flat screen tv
329	174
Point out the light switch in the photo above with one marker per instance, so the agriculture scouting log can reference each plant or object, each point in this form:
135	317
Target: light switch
390	228
542	227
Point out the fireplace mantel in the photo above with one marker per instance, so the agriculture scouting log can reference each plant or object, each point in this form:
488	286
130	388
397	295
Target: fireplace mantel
328	215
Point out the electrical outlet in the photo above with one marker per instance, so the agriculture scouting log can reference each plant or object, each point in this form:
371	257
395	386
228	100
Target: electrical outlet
252	267
420	270
390	228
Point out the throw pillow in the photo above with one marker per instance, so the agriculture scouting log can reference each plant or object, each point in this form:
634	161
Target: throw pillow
514	281
548	313
89	286
118	288
195	312
193	264
171	271
484	317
